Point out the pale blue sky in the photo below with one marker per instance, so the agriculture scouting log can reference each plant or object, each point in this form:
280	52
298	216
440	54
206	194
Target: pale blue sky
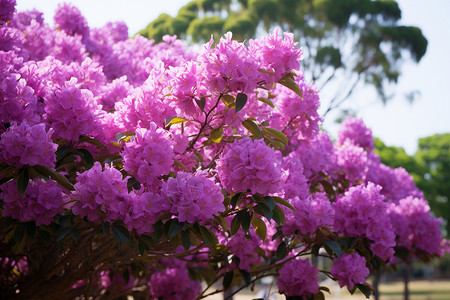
398	123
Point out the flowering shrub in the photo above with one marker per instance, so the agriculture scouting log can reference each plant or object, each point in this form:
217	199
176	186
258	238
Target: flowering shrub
129	168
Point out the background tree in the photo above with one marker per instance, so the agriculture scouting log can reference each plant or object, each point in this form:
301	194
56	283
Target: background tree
345	42
430	167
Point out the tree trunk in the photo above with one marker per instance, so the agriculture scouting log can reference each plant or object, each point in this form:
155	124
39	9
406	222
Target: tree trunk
406	270
376	282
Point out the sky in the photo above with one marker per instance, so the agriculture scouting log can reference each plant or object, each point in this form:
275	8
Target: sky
398	123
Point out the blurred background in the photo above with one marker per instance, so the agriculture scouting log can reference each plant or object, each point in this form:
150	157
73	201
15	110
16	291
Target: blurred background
386	62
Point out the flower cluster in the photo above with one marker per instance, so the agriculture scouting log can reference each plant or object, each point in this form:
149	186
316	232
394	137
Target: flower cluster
149	155
193	197
26	144
354	130
41	202
361	211
298	278
100	194
250	165
349	269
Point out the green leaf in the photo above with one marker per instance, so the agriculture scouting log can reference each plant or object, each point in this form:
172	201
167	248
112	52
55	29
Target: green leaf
121	135
241	99
326	289
23	180
216	135
276	134
278	215
61	233
228	100
208	237
246	276
45	235
266	101
227	280
253	128
365	289
281	251
245	219
267	212
174	120
46	172
235	224
121	234
289	82
30	228
174	228
235	199
260	228
180	165
283	202
86	139
270	202
334	246
74	234
19	233
87	156
201	103
105	227
185	240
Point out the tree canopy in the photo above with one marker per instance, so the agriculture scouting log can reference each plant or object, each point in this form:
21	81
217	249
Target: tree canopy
347	42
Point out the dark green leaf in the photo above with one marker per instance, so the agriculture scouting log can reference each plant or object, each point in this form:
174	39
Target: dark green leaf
61	233
121	234
227	280
276	217
19	233
105	227
87	156
289	82
201	103
366	290
267	211
208	237
30	229
281	251
235	199
45	235
276	134
241	99
235	224
23	180
326	289
216	135
335	247
283	202
279	213
185	240
119	136
174	228
74	234
246	276
245	219
46	172
270	202
86	139
277	235
253	128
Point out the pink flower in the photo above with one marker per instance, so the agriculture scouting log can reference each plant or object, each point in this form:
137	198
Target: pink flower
298	278
194	197
349	269
101	194
173	283
276	55
362	212
40	203
148	155
352	160
250	165
244	247
27	145
357	133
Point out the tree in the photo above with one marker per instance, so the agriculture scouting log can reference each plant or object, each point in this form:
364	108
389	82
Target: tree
345	42
434	153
